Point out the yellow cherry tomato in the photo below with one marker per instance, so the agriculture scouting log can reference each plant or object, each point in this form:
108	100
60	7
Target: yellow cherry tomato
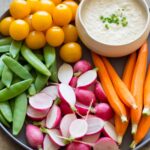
47	5
5	24
35	40
74	6
71	34
55	36
19	30
57	1
71	52
29	21
34	4
19	9
41	20
62	15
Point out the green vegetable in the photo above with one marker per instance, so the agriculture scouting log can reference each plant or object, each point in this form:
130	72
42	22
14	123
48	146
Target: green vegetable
4	121
5	41
49	55
5	109
14	90
28	67
1	66
32	90
1	85
39	56
16	79
16	68
4	48
15	48
19	115
12	105
32	59
54	74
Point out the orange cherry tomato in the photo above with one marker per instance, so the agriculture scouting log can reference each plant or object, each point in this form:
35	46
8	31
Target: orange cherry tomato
36	40
34	4
55	36
28	19
57	1
62	15
19	9
41	20
19	29
5	24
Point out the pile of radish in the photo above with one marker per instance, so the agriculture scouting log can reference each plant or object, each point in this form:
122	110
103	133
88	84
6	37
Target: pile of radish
73	113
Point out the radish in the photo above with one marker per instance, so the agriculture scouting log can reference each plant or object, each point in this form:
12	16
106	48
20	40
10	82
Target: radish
109	131
49	145
65	108
99	92
85	96
81	67
77	146
105	143
95	125
51	91
91	138
104	111
65	73
34	136
78	128
55	135
53	118
87	78
41	101
67	94
35	114
82	109
73	82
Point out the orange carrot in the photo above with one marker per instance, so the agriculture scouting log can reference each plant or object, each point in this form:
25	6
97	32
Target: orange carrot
137	85
129	68
143	128
146	110
120	87
111	94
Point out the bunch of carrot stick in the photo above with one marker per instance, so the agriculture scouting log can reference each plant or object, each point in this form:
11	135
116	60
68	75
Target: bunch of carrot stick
130	96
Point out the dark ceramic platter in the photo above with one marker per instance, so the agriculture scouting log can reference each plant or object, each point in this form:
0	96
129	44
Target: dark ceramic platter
118	63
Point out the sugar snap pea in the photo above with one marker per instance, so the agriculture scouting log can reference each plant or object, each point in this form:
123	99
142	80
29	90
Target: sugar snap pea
32	90
12	105
5	109
4	48
1	66
53	70
3	121
16	68
31	58
1	85
5	41
19	114
49	55
14	90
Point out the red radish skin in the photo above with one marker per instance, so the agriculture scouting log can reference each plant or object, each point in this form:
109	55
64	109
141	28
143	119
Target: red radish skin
65	108
105	143
48	144
99	92
73	82
34	136
35	114
91	138
77	146
41	101
65	124
104	111
82	109
65	73
53	117
85	96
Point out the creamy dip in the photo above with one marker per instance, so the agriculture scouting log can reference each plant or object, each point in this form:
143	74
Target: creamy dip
114	33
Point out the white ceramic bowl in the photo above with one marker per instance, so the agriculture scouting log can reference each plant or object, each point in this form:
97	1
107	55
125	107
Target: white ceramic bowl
106	49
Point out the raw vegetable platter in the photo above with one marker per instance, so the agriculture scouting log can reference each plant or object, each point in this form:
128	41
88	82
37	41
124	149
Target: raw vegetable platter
118	64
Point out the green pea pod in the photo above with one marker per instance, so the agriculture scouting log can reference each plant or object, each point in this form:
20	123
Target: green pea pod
16	68
32	90
40	82
15	48
4	121
54	74
5	109
14	90
7	76
31	58
28	67
1	85
49	55
5	41
39	56
4	48
12	105
1	66
19	115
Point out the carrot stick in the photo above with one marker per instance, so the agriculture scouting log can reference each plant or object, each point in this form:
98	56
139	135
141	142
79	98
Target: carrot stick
143	128
129	68
121	89
137	85
146	110
113	99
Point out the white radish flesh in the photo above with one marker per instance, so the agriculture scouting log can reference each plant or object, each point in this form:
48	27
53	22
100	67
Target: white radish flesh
77	146
91	138
65	73
53	117
82	109
78	128
65	124
87	78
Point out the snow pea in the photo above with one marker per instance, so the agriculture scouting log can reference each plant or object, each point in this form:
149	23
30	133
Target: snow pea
1	66
4	48
3	121
32	59
20	109
14	90
5	41
12	105
54	74
1	85
32	90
